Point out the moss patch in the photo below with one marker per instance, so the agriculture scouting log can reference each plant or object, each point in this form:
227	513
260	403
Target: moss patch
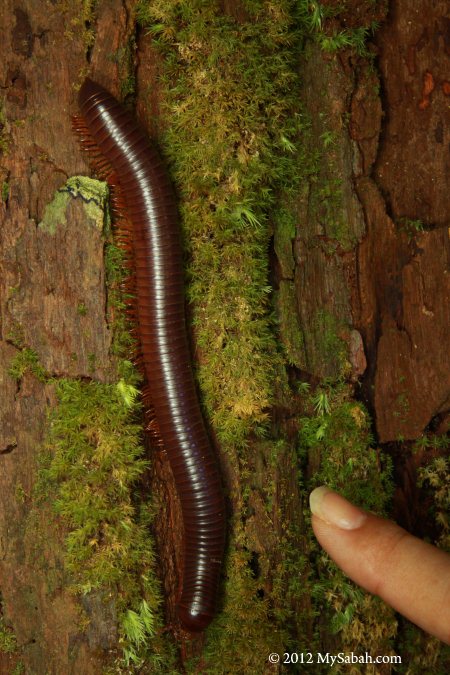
8	642
228	96
90	472
25	361
5	191
331	347
4	137
290	325
244	633
336	442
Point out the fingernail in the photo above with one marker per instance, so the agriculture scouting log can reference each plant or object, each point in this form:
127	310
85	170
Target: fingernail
334	509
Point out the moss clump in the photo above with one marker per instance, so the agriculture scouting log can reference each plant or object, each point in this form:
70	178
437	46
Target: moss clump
5	191
95	460
26	361
337	438
337	443
228	93
8	642
4	138
244	633
90	472
435	478
331	348
321	20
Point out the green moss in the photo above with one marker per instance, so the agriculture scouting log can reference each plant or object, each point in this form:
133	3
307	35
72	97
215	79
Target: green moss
338	435
25	361
331	348
229	157
4	138
319	20
244	633
422	653
410	226
90	471
5	191
355	38
93	464
290	326
8	642
337	443
435	479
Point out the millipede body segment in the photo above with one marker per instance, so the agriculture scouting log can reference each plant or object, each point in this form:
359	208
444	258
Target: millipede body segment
151	209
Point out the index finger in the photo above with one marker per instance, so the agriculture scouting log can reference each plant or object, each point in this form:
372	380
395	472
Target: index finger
407	573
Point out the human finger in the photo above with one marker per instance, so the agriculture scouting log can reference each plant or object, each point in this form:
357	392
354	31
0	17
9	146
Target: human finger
407	573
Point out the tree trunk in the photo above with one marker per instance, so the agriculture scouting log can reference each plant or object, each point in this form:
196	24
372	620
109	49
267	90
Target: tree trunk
361	294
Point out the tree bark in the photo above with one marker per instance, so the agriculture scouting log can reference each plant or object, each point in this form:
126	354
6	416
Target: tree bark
53	302
362	286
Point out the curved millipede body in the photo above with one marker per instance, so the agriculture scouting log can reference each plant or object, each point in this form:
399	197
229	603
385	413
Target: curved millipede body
152	212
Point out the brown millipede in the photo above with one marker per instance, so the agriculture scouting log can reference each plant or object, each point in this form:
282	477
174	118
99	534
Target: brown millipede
110	133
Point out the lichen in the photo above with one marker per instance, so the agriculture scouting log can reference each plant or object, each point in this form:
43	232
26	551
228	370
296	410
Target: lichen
93	194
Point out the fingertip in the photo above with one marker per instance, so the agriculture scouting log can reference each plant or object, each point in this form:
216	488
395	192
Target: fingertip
333	509
409	574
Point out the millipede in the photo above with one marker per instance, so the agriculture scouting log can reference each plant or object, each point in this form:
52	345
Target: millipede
145	201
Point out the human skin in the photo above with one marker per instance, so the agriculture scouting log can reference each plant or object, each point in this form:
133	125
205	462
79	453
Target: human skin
410	575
